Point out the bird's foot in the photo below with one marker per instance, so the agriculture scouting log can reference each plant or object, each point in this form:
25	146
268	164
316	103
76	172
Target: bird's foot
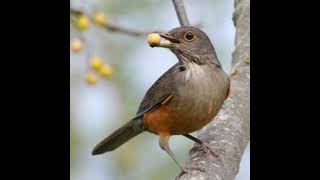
188	169
214	152
182	67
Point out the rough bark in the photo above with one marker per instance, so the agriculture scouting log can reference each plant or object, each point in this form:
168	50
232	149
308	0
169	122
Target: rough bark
230	131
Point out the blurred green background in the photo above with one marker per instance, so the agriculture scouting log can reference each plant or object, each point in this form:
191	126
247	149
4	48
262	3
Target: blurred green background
98	110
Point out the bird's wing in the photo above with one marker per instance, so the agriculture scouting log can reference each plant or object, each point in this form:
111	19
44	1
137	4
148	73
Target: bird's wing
160	92
151	106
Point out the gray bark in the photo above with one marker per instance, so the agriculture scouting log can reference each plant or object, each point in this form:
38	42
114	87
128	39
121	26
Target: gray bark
229	132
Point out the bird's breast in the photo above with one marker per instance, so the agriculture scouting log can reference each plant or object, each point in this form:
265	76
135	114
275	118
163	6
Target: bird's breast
200	93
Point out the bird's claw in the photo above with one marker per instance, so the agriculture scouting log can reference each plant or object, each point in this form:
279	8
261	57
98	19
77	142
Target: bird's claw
215	152
188	169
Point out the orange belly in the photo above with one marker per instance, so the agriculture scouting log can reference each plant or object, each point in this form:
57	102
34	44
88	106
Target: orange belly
165	120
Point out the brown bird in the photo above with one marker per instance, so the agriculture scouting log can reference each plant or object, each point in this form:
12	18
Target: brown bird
184	99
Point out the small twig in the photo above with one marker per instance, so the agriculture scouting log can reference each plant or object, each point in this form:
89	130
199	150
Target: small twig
115	28
181	12
75	12
111	27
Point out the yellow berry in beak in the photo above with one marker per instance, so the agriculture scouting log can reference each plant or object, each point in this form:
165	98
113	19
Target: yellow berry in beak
91	79
83	22
96	62
100	19
154	39
105	71
76	45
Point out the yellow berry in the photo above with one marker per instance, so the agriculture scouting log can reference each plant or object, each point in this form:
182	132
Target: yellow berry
153	39
91	78
76	45
105	71
83	22
233	71
247	60
100	19
96	62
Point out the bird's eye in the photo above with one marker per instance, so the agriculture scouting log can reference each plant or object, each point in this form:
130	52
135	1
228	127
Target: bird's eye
189	36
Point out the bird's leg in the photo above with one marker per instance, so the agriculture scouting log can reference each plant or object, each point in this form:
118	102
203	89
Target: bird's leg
193	138
164	144
205	146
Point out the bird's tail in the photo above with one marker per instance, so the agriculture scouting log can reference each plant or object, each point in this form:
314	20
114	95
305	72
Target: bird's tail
119	137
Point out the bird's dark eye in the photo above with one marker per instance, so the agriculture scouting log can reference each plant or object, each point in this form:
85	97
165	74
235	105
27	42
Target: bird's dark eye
189	36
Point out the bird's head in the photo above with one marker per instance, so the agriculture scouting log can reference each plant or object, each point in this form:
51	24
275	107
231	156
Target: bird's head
190	45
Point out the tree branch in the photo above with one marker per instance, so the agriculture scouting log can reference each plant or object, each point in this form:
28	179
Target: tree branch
112	27
181	12
230	131
178	4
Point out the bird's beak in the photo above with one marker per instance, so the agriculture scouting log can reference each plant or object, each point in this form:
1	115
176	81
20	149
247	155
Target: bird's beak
168	41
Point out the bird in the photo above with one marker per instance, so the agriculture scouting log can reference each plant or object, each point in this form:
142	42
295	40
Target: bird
184	99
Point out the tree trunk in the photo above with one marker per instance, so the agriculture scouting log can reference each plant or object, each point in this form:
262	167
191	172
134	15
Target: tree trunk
230	131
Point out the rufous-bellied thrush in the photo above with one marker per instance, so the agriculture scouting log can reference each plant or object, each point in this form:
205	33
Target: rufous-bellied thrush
184	99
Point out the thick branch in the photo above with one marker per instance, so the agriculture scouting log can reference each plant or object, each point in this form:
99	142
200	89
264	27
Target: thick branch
181	12
229	132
